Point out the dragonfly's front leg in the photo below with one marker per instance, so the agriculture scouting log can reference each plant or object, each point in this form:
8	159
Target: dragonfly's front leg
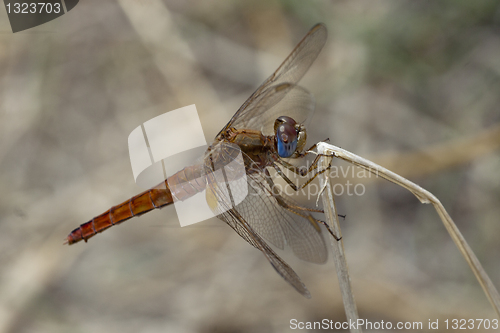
277	195
307	151
300	171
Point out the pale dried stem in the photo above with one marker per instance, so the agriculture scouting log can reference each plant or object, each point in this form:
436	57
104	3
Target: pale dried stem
425	197
339	258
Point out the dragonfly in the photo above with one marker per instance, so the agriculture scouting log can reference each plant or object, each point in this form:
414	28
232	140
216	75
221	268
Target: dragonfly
266	132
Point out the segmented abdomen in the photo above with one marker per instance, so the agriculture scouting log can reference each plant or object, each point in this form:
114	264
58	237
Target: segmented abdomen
179	186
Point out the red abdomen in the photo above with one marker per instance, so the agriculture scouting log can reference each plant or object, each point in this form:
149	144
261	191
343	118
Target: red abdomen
180	186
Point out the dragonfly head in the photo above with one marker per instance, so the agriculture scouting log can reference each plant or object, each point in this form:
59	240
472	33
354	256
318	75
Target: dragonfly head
290	136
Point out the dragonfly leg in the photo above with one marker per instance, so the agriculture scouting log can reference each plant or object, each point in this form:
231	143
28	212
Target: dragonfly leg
308	151
275	193
300	172
315	175
285	178
330	230
297	210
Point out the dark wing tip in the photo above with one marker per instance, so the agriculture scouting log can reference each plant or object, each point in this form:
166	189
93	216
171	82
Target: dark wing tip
319	27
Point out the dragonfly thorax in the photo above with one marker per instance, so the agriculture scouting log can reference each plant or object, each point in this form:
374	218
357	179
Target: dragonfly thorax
290	136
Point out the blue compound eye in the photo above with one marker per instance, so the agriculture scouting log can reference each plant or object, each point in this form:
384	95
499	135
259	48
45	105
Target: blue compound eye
286	136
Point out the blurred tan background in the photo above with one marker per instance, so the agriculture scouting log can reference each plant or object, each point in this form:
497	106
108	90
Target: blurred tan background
413	85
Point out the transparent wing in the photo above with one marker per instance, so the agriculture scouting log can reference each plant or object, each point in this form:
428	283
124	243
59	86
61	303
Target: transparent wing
274	222
285	99
222	205
238	223
274	217
290	71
